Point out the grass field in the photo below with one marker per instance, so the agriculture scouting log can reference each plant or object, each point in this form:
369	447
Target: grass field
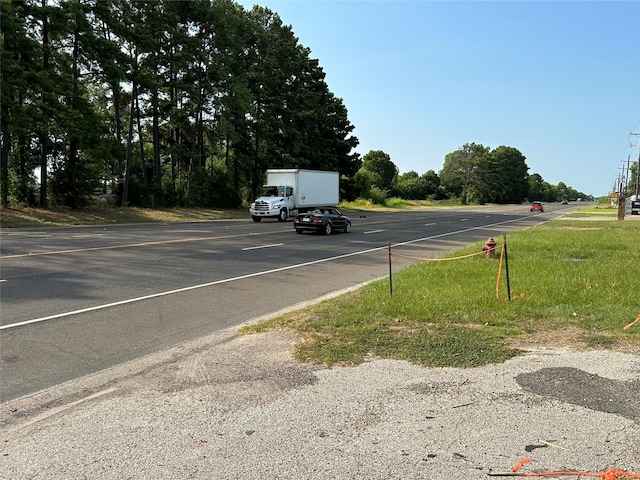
596	210
573	283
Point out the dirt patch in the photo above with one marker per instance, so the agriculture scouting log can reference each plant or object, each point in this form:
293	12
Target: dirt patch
571	338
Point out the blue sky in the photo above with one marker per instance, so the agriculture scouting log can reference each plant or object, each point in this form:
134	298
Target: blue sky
558	80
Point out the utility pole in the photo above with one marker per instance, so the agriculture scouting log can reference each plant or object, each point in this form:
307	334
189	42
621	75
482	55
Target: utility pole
621	199
637	165
622	186
635	203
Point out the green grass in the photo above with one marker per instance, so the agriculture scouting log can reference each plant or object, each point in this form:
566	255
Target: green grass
598	209
446	313
398	203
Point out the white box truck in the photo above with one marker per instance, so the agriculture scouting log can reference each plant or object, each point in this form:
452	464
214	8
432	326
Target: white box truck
292	191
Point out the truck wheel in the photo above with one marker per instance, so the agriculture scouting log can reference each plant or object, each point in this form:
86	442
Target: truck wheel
257	219
283	215
328	229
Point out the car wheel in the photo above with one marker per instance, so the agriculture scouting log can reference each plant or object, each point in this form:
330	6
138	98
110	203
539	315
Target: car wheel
298	230
347	227
257	219
328	229
283	215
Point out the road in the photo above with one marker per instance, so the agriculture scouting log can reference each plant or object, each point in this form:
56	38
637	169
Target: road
78	300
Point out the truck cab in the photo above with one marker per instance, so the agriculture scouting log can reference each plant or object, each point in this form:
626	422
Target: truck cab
275	201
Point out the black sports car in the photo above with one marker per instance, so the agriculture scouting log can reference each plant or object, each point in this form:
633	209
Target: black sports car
322	220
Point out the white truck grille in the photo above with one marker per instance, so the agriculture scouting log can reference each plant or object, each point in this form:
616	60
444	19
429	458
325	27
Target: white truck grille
262	206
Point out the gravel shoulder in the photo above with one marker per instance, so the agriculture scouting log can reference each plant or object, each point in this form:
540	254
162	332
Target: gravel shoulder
231	407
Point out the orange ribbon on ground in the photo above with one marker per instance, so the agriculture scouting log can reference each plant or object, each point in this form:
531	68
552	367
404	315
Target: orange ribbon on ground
627	327
611	474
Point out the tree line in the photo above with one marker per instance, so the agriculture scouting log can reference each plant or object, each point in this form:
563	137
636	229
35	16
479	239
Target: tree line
473	173
167	102
187	103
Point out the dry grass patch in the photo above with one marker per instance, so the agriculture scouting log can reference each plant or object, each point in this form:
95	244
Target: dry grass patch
572	338
35	217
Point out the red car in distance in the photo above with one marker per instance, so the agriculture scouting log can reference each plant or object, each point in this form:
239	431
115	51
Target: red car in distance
536	207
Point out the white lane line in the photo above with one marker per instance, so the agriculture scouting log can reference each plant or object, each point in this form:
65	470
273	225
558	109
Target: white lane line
2	281
429	224
250	275
263	246
464	219
373	231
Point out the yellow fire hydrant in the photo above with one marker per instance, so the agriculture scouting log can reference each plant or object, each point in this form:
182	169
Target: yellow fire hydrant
489	247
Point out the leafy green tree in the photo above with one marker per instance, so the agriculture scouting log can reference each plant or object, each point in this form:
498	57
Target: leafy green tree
78	171
503	176
363	181
19	61
412	186
561	191
110	65
406	185
565	192
459	174
347	188
294	120
384	170
537	187
431	182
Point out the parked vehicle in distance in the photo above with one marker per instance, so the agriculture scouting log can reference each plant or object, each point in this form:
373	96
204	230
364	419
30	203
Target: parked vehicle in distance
292	191
565	202
536	206
322	220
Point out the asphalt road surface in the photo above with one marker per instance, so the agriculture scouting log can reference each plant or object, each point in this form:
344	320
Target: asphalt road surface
78	300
